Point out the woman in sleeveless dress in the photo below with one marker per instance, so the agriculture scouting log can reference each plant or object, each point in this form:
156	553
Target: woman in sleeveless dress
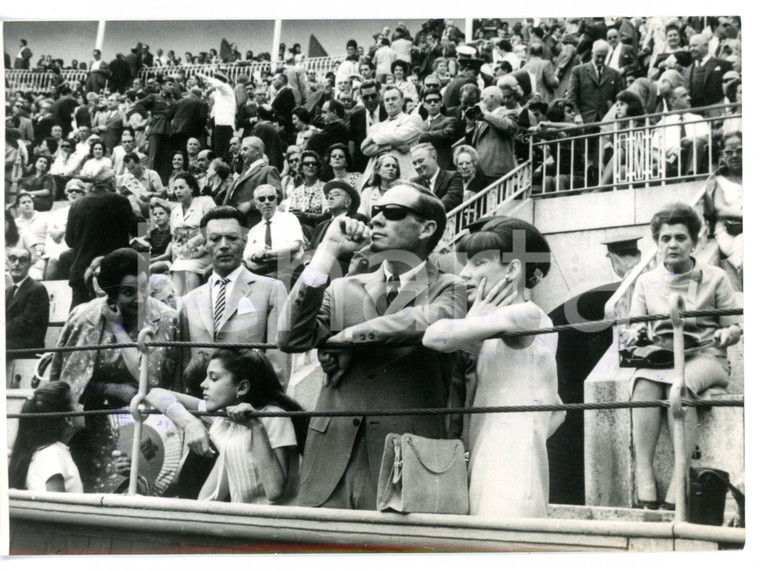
509	466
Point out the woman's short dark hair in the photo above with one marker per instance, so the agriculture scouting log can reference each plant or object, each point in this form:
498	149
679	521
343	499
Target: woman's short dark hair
47	159
402	64
303	115
635	105
265	388
116	266
676	213
500	234
183	154
191	180
94	142
312	154
344	148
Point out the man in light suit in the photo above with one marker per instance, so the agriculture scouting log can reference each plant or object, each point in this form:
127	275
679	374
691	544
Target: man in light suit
27	304
250	306
256	172
621	56
593	86
385	314
445	184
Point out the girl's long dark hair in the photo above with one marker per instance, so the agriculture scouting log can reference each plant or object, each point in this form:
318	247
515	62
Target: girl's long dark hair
37	433
254	366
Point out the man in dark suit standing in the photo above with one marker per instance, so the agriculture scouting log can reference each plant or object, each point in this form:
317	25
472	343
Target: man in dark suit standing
593	86
256	173
361	118
439	130
445	184
98	224
27	305
268	134
704	77
85	114
284	101
160	106
188	120
385	314
23	56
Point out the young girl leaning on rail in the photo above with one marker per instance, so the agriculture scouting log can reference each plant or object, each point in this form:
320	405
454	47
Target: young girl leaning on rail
258	458
41	460
509	467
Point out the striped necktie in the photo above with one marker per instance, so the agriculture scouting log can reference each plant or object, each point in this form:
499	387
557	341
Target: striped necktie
220	304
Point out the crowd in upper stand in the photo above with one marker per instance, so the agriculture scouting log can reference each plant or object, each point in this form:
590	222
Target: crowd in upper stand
241	192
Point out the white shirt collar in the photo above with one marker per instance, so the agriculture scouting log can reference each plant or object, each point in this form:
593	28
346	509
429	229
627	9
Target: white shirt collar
405	277
232	276
254	164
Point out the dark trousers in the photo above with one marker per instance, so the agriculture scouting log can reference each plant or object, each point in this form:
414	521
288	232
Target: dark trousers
79	293
159	156
220	141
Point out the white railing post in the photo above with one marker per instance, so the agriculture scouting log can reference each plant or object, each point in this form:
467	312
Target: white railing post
680	469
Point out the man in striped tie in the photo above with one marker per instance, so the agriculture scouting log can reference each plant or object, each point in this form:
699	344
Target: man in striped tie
235	305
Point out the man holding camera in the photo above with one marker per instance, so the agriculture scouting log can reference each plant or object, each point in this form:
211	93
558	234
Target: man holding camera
491	129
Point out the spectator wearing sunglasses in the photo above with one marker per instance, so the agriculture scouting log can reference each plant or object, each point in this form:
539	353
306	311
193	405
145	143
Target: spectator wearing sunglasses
439	130
277	239
27	304
376	311
369	113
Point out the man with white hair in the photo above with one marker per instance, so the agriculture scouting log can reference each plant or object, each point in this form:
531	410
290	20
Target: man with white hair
593	86
256	173
491	130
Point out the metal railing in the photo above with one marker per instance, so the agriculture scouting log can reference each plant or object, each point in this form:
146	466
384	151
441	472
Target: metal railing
43	81
508	188
661	148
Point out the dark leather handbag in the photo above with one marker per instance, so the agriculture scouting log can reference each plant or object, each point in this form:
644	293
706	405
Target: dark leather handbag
658	354
734	227
422	475
707	497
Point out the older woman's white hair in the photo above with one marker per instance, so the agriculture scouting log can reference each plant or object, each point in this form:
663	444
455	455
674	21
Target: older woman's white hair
162	289
468	150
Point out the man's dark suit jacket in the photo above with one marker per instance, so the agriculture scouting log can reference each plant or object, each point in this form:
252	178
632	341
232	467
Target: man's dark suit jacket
710	92
63	110
442	132
357	132
380	371
189	117
242	191
98	223
43	127
591	96
26	315
448	187
336	132
84	116
273	146
283	105
628	63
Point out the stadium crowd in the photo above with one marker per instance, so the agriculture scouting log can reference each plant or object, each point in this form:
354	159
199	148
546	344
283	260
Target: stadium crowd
251	197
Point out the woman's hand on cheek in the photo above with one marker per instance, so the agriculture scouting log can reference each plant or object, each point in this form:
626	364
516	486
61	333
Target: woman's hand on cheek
500	295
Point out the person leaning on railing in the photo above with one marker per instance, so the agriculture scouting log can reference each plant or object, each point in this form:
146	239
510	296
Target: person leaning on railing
107	378
675	229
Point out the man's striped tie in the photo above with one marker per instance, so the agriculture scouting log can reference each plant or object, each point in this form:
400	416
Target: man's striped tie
221	303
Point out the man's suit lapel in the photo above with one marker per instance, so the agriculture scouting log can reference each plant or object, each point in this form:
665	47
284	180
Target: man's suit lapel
440	181
591	72
709	68
20	294
240	289
416	286
207	300
375	288
241	182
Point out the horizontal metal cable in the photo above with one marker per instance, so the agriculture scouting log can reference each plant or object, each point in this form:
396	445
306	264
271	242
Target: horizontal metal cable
728	403
594	326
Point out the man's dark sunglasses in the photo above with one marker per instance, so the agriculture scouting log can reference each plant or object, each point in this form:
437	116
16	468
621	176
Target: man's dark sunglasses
431	101
394	212
263	199
369	96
